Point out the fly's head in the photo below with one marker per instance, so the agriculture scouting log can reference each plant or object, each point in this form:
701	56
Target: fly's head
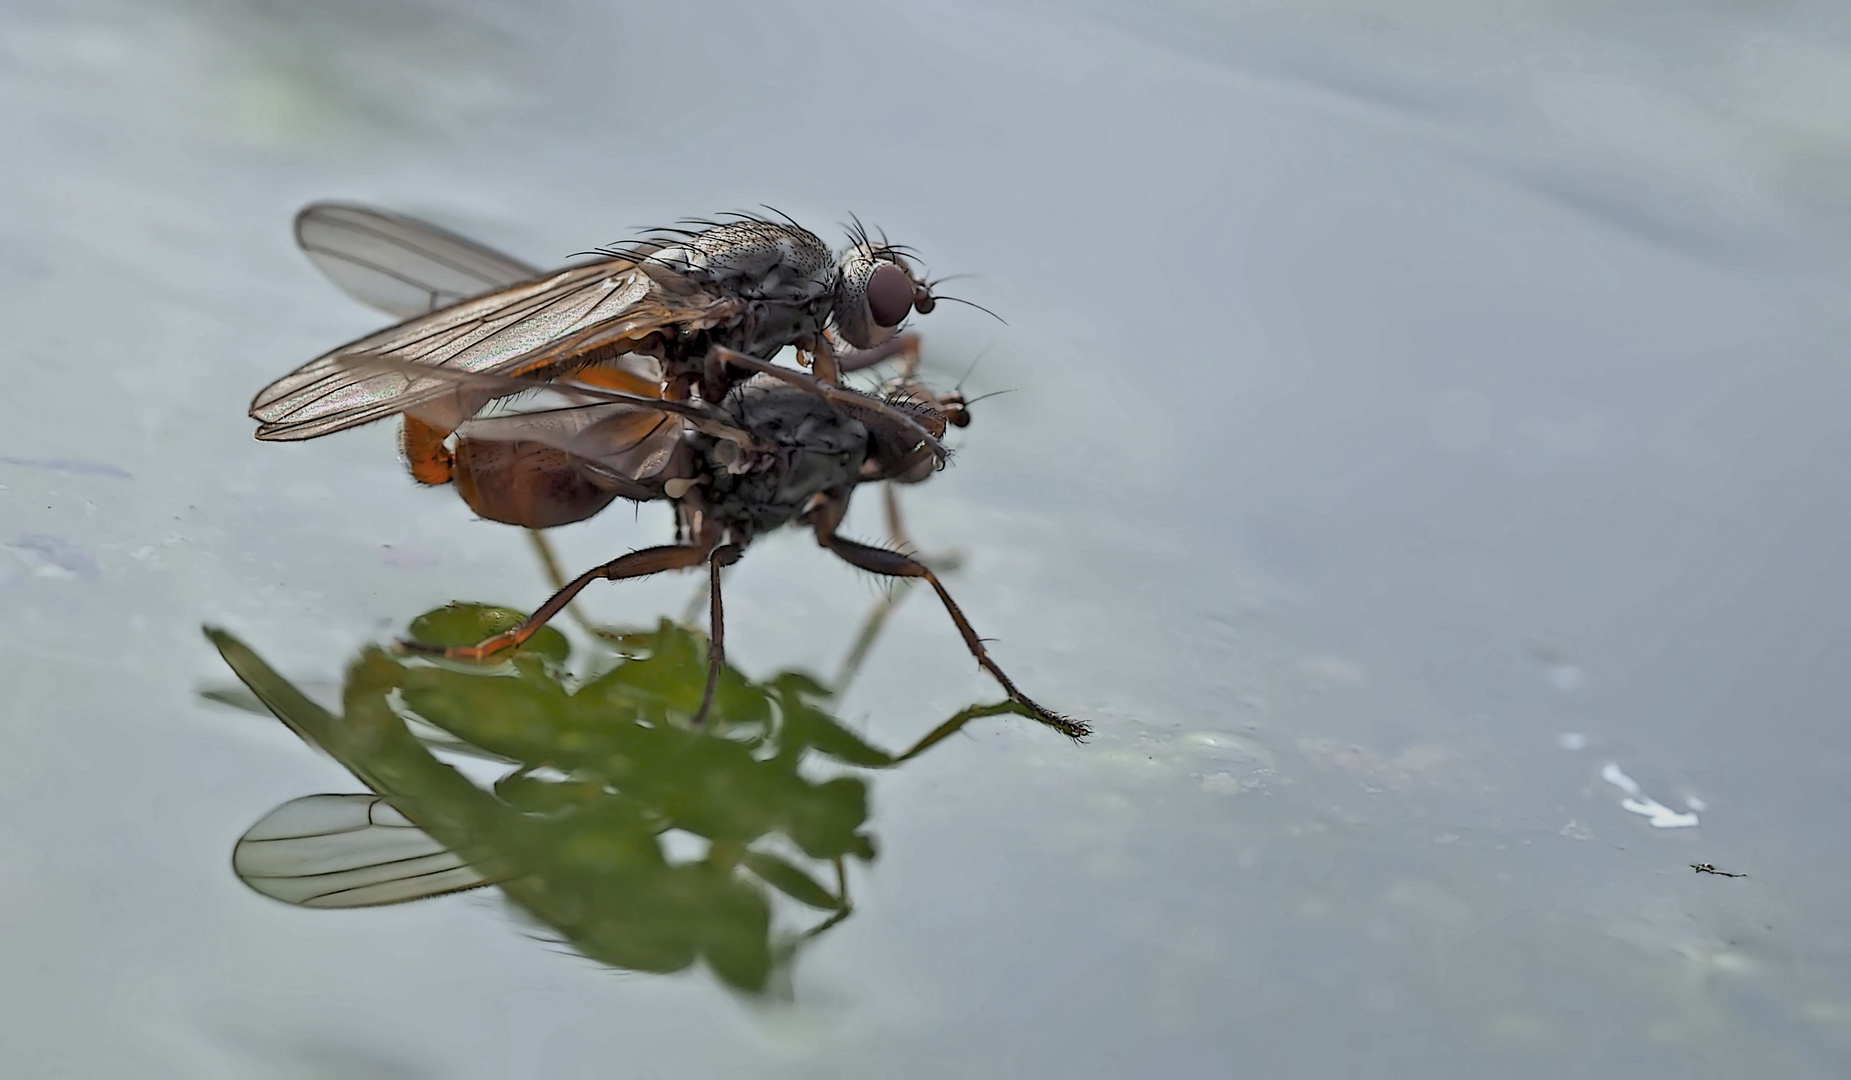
936	410
894	451
955	408
876	289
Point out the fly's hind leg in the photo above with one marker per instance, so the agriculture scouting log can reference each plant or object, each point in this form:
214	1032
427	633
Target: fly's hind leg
722	556
634	565
877	616
824	521
549	565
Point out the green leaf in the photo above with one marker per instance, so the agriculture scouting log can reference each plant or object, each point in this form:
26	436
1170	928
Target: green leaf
462	624
790	881
308	720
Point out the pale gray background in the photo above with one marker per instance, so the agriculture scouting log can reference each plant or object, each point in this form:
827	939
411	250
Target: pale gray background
1418	407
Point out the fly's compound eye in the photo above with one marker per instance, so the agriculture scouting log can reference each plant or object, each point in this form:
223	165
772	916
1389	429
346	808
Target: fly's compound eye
875	294
890	295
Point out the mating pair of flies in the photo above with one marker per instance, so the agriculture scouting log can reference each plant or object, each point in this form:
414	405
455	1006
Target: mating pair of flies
644	374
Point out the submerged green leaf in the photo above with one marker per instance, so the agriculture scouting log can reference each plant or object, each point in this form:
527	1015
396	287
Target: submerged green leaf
599	773
790	881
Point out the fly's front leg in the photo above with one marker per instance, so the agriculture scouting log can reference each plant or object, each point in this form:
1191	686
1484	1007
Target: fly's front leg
722	556
847	400
893	564
634	565
904	346
823	360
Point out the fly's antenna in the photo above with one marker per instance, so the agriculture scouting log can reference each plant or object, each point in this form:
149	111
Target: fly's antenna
937	281
971	303
967	371
968	402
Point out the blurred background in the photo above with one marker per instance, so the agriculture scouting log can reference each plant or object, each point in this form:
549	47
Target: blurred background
1423	468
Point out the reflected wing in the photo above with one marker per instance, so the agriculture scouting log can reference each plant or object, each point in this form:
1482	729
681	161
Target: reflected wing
538	329
339	851
398	264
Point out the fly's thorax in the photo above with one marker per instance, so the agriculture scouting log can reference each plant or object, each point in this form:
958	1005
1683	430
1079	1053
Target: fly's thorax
896	452
785	275
813	448
755	260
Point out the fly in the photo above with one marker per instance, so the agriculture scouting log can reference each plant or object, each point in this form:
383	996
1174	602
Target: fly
634	370
641	318
783	448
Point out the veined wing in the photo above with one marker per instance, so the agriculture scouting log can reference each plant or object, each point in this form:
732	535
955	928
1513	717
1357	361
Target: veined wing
573	415
537	328
341	851
398	264
629	441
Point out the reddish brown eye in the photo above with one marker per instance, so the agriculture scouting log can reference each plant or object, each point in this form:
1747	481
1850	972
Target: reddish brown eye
890	295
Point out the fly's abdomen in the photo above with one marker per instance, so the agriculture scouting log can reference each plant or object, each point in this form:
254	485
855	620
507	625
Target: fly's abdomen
526	483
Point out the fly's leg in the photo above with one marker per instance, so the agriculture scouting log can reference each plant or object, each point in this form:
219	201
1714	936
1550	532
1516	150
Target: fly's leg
549	563
883	608
905	346
823	361
956	724
723	556
636	564
720	356
896	528
893	564
871	627
896	531
430	461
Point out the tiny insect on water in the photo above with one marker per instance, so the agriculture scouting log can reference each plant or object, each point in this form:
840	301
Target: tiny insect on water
553	434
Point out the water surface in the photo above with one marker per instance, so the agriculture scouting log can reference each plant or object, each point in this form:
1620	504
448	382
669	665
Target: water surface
1423	469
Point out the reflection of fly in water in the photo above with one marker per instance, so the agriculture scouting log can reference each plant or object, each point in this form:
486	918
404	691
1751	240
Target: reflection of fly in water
600	773
737	458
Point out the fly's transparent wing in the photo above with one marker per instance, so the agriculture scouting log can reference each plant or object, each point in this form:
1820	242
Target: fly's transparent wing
469	392
341	851
630	441
398	264
537	329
